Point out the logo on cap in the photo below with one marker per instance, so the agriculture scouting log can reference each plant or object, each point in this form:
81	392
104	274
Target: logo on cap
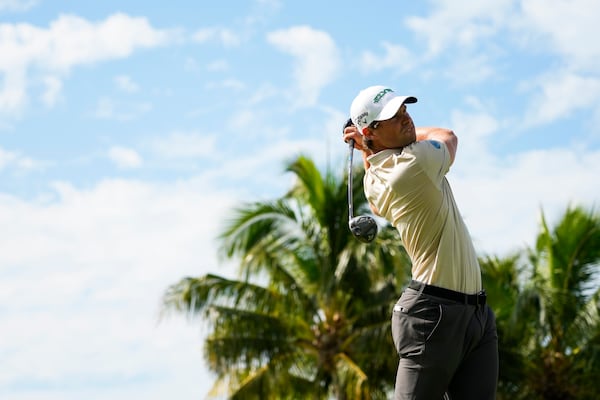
381	94
362	118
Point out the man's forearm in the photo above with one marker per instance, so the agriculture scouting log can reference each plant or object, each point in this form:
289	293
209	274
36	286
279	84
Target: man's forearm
365	154
444	135
429	133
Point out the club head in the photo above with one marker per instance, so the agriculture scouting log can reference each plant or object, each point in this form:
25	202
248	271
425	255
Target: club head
364	228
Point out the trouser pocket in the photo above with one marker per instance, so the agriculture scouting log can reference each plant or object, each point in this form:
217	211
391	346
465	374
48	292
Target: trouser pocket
415	319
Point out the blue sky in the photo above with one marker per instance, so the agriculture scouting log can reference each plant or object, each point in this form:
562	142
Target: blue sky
129	130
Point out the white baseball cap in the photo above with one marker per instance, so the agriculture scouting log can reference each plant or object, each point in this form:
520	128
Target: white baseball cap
376	103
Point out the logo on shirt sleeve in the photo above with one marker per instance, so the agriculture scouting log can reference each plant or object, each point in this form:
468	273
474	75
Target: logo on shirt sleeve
435	144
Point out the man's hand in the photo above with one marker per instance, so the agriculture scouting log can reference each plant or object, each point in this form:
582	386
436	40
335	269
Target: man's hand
351	133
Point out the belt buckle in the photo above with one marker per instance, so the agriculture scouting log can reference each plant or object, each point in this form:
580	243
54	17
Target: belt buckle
481	298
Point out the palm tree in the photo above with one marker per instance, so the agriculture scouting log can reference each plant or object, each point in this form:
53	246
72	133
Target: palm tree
309	316
547	308
501	279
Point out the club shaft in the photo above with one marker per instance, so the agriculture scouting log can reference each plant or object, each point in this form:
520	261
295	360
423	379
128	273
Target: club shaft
350	184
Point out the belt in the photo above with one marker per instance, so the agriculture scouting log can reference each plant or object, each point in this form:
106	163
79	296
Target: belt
477	299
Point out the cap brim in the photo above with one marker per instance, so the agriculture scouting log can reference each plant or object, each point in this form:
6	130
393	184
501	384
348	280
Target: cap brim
392	107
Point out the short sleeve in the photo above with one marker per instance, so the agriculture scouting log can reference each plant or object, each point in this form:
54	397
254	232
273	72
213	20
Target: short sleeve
433	157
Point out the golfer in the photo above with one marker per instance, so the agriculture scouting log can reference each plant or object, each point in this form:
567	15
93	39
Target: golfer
443	330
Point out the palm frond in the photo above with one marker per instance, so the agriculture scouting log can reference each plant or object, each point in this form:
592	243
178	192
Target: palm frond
309	186
351	377
274	380
253	222
195	295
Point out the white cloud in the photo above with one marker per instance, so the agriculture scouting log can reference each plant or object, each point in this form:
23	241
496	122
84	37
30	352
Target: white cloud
317	60
470	35
396	57
107	108
474	30
262	93
190	64
218	66
6	157
17	5
261	13
471	69
566	27
461	23
226	37
69	41
267	171
478	38
475	132
12	91
233	84
126	84
72	40
124	158
16	161
560	28
53	90
553	26
81	282
183	145
502	202
560	94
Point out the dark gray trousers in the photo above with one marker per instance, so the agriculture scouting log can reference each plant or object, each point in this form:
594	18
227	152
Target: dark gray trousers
444	347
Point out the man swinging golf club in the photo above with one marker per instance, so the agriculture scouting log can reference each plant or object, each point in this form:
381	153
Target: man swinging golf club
443	330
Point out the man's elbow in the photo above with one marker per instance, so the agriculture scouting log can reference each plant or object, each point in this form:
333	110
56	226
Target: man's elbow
451	143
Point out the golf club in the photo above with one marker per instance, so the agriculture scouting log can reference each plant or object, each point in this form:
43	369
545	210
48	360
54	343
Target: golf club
363	227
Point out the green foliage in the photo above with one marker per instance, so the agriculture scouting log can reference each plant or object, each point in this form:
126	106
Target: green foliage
547	305
310	315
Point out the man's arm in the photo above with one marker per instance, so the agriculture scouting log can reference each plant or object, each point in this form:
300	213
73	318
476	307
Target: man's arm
443	135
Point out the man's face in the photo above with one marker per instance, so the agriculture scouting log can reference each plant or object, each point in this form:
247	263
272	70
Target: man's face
395	132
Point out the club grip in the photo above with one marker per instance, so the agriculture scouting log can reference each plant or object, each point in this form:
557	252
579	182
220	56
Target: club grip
347	124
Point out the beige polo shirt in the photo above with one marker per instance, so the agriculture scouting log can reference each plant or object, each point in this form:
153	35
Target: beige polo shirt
410	190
